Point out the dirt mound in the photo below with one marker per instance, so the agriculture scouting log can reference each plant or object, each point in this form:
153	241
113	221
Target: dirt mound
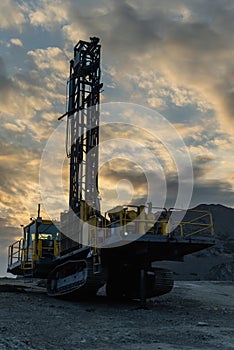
222	272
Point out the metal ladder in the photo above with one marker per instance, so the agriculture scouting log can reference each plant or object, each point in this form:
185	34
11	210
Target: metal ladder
97	266
27	267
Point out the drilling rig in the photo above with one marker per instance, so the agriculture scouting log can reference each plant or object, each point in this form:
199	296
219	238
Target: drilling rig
90	249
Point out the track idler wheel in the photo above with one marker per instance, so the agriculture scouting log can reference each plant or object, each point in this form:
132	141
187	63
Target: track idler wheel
164	281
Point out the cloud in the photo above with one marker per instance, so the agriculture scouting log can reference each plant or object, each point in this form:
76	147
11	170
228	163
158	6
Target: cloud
14	97
8	235
195	53
124	182
11	15
34	96
202	165
118	169
16	42
213	192
19	179
45	59
5	82
47	14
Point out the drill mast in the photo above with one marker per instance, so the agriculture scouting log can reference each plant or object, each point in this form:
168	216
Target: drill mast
83	127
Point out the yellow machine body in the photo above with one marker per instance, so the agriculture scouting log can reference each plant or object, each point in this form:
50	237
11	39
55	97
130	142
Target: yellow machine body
40	243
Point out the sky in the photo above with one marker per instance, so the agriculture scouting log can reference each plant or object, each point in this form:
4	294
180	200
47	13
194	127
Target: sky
175	57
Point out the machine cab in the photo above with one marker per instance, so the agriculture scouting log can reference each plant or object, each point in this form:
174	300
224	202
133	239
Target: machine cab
40	241
38	247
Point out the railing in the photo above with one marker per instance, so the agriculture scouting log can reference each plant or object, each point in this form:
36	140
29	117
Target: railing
15	252
195	222
202	223
97	236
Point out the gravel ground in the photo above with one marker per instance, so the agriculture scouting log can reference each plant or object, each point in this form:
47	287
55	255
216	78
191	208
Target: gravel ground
195	315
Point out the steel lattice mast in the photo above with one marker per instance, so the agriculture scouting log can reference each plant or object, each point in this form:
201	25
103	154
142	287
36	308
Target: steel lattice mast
83	125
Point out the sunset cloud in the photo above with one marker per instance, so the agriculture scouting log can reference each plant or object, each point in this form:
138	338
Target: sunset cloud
195	54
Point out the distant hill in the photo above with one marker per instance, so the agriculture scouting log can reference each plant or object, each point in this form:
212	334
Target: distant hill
223	219
217	262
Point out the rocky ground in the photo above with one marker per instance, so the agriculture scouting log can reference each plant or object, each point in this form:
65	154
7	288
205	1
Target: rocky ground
195	315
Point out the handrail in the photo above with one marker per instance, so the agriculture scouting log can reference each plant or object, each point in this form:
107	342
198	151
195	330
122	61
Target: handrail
201	224
196	224
15	252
